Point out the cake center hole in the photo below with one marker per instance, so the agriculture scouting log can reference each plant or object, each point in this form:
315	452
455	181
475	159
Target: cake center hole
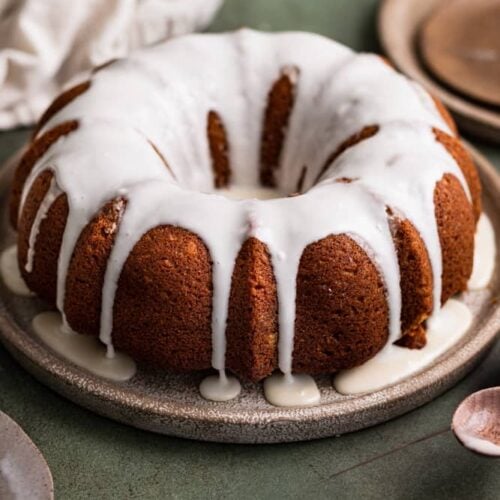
239	192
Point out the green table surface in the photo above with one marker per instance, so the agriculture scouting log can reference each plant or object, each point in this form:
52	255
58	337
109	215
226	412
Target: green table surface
414	456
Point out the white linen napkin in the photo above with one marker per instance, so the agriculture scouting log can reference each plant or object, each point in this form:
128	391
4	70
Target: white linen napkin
47	45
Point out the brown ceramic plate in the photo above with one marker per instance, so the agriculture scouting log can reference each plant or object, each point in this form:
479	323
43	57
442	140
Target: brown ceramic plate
171	404
399	23
461	46
24	473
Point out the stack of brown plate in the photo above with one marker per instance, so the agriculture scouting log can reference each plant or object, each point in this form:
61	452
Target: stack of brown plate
452	47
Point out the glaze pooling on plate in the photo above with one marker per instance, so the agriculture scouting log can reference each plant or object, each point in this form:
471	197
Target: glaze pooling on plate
250	419
11	274
444	330
397	363
220	387
83	350
291	390
484	254
398	167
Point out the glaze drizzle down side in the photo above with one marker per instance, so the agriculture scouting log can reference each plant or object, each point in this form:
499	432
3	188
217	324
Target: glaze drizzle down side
396	363
83	350
397	168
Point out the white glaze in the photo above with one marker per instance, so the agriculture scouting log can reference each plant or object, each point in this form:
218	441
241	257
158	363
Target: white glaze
395	363
50	196
10	273
484	254
404	178
82	350
250	193
291	390
220	387
110	155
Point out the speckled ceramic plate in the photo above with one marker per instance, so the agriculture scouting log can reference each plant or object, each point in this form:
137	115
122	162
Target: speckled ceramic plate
398	25
171	404
24	473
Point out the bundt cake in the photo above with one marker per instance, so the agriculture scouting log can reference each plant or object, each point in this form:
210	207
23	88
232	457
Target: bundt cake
127	222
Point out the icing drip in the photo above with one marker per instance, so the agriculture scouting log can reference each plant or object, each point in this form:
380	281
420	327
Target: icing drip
444	329
353	96
284	225
83	350
11	274
52	193
110	155
220	387
403	177
95	188
291	390
395	363
151	204
484	254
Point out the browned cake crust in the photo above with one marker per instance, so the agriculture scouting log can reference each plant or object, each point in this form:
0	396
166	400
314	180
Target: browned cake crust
35	151
43	278
219	150
364	133
86	270
170	326
60	102
465	162
300	181
445	114
279	107
413	338
455	220
252	327
341	317
415	282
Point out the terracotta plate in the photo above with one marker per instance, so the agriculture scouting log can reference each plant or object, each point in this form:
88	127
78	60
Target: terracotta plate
399	25
24	473
172	405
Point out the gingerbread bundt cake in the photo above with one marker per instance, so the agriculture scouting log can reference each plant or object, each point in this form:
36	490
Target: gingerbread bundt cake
127	222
